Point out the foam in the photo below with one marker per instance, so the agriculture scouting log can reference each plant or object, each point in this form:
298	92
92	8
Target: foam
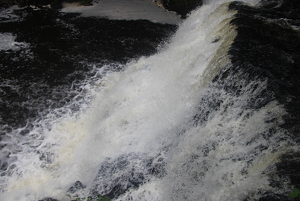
7	42
125	9
158	109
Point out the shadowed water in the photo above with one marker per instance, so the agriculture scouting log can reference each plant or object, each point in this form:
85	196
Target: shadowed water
212	115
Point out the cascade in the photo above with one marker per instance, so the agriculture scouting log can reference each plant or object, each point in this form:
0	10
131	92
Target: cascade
212	115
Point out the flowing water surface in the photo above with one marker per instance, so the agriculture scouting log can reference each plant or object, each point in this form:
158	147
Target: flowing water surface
136	110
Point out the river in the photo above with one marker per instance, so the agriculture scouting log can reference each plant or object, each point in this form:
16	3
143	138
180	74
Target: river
205	108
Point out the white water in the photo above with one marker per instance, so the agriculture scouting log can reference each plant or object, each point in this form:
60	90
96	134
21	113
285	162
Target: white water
7	42
147	110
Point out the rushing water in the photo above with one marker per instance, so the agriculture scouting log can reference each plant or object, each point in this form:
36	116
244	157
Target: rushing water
90	106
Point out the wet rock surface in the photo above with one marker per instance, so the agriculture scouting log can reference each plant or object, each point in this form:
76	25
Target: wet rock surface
182	7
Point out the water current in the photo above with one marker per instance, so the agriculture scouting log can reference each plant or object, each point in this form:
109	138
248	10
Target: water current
135	110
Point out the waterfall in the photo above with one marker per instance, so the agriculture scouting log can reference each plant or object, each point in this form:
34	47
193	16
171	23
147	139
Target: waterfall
198	120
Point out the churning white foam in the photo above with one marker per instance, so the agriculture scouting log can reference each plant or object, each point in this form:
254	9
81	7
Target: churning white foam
7	42
147	110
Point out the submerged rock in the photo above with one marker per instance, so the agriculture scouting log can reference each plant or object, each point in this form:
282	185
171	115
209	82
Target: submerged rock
181	7
76	187
135	170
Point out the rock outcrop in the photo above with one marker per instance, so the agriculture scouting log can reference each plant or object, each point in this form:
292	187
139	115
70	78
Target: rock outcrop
181	7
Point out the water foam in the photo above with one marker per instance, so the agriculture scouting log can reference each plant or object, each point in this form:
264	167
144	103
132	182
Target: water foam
7	42
157	123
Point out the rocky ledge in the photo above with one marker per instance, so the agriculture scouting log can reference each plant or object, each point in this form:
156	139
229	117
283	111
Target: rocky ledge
181	7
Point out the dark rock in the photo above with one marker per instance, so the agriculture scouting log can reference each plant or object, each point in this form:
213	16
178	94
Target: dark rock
48	199
182	7
135	170
77	186
7	3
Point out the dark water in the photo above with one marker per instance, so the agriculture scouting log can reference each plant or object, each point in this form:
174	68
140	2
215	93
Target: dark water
222	126
267	48
62	51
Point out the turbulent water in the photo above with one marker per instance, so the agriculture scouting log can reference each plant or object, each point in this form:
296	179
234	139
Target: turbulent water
135	110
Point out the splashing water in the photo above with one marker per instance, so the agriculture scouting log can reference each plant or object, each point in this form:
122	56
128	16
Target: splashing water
165	128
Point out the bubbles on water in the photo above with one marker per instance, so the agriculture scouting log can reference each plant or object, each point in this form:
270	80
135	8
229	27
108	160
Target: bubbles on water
184	124
36	141
7	42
